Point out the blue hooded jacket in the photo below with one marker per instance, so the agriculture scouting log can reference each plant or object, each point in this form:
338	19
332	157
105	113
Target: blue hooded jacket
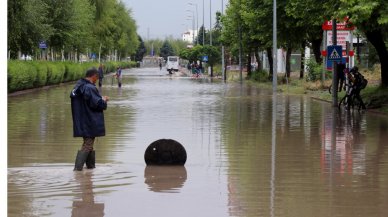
87	108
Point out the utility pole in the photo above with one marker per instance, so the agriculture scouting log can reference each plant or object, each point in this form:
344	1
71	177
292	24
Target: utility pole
196	12
210	15
193	23
203	22
223	48
335	74
240	43
275	53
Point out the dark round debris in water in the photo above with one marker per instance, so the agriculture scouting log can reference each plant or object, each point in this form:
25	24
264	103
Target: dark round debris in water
165	152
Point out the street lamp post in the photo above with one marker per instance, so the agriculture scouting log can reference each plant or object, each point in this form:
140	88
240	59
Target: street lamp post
223	49
196	12
240	42
203	22
192	19
210	27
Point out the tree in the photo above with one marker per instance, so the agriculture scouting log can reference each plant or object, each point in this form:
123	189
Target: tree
141	50
124	33
214	55
81	22
310	14
201	31
72	26
60	19
370	17
166	50
27	25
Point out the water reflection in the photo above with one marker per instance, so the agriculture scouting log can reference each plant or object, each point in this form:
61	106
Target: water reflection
86	207
165	178
273	155
251	153
343	145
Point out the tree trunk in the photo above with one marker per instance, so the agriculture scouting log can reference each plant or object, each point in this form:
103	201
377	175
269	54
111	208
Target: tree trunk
258	61
99	54
270	60
376	39
316	45
249	67
302	58
288	62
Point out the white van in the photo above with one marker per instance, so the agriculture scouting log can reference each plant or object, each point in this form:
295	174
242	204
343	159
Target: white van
172	64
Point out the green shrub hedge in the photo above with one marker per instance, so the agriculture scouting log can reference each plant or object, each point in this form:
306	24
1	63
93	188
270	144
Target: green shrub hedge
20	76
31	74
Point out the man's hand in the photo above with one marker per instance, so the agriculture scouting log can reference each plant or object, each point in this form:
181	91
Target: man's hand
105	98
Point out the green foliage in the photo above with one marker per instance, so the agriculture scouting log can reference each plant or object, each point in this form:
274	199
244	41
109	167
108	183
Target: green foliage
82	26
166	50
314	70
141	50
20	75
41	77
31	74
73	71
27	25
213	53
300	22
259	75
375	97
55	72
196	53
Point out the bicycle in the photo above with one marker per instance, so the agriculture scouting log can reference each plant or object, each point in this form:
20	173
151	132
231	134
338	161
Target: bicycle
351	100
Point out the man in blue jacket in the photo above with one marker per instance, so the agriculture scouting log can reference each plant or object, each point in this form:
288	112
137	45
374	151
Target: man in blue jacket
87	106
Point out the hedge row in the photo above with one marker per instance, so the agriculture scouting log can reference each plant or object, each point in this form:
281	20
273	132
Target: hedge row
31	74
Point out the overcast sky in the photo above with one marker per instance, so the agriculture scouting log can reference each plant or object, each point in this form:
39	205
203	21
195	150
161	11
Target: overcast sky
163	18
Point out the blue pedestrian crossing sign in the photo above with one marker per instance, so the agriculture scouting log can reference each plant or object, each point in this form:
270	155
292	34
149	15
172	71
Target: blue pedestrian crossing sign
205	58
334	53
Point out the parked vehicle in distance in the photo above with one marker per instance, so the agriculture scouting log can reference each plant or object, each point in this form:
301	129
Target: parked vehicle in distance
172	64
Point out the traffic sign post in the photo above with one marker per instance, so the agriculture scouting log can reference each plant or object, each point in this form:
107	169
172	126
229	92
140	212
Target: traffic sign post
334	53
42	45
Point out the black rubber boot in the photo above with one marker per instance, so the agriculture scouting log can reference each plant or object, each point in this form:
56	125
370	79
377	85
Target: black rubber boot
80	160
91	160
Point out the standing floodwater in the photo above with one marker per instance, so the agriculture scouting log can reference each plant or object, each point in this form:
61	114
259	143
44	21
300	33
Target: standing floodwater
248	153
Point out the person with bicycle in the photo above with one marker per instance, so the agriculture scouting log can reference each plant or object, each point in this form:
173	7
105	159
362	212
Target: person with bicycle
356	84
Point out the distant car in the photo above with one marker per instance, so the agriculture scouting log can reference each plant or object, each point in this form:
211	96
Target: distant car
172	64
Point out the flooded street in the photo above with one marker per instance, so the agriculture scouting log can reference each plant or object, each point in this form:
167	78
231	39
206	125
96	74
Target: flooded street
248	153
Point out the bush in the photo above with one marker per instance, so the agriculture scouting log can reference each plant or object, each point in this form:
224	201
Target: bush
55	72
73	71
314	70
41	77
30	74
259	75
21	75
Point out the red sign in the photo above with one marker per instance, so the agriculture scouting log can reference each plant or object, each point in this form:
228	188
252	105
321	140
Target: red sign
328	25
351	53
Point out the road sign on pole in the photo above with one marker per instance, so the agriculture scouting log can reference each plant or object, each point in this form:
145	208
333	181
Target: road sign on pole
334	53
42	45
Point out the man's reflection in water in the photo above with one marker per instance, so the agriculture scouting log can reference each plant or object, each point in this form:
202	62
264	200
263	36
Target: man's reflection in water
165	178
86	207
